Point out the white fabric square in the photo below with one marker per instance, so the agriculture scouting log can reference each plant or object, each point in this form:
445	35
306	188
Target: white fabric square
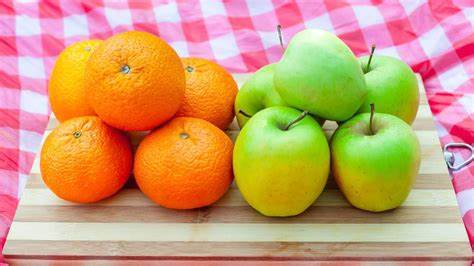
117	17
224	46
30	141
453	78
257	7
468	102
410	6
465	200
181	48
469	14
435	42
33	102
368	16
322	22
167	13
212	8
31	67
270	39
388	51
75	25
27	26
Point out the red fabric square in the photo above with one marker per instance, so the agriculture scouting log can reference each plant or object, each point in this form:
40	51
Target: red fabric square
50	9
249	59
140	5
9	118
425	68
355	40
401	31
288	14
6	7
51	46
148	27
90	5
463	129
9	81
332	5
195	31
442	9
9	159
8	46
241	23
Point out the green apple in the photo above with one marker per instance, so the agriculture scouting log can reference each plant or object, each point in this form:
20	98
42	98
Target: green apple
392	87
256	94
319	73
375	159
281	161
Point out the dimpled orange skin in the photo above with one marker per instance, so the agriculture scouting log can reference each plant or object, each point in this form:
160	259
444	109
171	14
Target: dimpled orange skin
67	93
210	92
88	166
185	164
135	81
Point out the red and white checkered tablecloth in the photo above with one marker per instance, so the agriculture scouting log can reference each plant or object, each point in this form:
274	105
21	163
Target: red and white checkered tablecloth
436	38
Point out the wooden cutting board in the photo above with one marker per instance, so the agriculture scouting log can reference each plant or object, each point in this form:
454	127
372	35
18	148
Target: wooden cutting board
129	227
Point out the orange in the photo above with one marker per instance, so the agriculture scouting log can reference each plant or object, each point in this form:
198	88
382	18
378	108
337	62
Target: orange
85	160
67	93
185	164
135	81
210	92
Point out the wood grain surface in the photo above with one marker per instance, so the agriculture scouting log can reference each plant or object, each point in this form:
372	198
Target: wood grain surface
130	228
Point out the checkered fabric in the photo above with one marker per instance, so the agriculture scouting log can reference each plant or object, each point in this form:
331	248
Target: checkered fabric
436	38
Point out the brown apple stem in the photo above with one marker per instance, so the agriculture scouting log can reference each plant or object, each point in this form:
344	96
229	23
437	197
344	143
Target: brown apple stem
371	123
372	50
280	36
244	114
299	118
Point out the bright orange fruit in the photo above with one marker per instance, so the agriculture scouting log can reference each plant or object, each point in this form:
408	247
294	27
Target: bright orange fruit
135	81
185	164
67	93
210	92
84	160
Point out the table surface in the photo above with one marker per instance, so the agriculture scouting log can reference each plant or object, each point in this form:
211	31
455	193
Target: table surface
129	227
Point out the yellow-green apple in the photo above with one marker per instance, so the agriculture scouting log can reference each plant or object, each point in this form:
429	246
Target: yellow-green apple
392	87
256	94
375	159
281	161
319	73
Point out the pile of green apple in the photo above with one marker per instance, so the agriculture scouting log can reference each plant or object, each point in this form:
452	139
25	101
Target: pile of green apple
282	158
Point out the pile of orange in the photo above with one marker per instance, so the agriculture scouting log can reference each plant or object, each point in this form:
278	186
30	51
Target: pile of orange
103	92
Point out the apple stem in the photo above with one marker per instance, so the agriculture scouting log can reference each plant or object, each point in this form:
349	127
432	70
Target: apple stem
371	122
372	50
244	114
280	36
299	118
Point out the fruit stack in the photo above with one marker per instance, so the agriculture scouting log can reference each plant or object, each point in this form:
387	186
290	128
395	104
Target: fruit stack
282	158
133	83
105	92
